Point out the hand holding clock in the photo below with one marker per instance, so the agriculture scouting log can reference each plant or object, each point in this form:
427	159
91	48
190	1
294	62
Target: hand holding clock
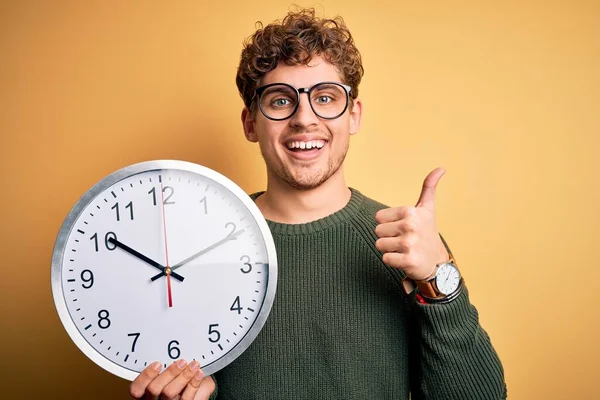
179	381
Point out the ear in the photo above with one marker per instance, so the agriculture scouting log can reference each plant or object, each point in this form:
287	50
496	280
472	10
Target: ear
355	116
248	123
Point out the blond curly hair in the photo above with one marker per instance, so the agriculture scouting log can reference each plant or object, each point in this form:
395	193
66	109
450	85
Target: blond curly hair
294	41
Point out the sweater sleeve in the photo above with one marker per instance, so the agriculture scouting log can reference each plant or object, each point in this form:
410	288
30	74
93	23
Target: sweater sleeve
453	357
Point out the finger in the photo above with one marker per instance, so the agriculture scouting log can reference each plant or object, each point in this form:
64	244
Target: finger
156	387
192	387
395	228
427	197
393	214
393	244
397	260
139	384
177	385
207	387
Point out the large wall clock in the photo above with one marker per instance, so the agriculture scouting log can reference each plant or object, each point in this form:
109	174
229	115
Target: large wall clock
163	260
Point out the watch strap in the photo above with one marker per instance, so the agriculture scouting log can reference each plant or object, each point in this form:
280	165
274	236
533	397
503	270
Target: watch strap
428	288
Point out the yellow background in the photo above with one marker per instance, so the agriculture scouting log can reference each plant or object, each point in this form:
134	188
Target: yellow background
504	95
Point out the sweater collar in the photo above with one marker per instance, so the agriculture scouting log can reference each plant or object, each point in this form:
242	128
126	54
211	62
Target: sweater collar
336	218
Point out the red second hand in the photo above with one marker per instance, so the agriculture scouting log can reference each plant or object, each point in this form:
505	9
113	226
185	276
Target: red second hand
168	269
169	288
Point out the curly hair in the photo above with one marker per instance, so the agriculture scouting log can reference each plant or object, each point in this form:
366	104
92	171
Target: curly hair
295	40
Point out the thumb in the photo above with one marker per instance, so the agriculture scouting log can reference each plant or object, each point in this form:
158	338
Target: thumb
427	197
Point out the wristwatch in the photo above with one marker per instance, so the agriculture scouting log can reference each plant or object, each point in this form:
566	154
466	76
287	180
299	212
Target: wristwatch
444	286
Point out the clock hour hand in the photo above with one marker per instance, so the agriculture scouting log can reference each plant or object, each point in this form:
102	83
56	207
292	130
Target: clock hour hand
232	236
144	258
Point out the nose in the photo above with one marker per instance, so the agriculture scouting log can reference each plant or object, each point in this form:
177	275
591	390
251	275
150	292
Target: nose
304	115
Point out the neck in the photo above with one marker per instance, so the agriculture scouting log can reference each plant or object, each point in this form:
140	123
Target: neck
285	204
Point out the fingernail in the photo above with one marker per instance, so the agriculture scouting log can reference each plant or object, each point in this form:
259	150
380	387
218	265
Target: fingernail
181	363
194	365
156	366
199	375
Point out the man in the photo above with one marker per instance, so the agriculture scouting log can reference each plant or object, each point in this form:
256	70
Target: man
346	322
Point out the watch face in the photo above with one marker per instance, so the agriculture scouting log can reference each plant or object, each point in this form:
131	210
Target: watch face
164	260
447	278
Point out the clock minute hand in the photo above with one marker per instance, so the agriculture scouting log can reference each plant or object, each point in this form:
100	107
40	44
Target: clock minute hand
209	248
143	258
198	254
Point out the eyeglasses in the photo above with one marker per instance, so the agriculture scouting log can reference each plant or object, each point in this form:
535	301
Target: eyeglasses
279	101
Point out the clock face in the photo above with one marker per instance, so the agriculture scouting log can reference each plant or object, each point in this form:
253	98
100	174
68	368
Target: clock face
447	279
164	260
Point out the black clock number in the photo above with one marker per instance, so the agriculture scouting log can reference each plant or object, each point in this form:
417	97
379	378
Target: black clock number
173	351
247	264
167	190
236	305
109	245
130	206
116	208
211	330
89	280
153	192
137	335
103	321
95	238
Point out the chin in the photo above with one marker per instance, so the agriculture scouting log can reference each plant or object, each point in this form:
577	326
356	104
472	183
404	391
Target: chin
306	181
304	185
308	176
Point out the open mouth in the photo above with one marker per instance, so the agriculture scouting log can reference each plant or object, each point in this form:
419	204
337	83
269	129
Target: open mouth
311	146
305	150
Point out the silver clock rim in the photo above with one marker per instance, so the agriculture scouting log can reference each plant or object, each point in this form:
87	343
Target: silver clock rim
109	180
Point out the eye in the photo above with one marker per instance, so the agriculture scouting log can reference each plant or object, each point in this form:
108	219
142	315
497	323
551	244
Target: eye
281	102
323	99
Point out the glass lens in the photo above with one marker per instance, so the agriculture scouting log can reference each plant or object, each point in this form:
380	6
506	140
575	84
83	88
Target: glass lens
278	101
328	100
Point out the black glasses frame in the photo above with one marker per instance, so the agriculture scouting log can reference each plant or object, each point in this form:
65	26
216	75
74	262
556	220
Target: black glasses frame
260	90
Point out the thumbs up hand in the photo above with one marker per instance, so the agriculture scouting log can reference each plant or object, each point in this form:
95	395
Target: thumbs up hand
408	236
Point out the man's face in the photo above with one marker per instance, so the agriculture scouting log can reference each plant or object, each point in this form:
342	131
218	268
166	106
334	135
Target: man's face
284	144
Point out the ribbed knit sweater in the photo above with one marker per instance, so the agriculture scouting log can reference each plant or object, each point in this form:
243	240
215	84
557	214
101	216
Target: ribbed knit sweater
341	326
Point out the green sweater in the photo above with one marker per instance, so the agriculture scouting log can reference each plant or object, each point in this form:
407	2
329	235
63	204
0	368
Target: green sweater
342	328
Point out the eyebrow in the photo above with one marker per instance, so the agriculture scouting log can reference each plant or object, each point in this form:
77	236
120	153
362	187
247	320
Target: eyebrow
279	89
327	86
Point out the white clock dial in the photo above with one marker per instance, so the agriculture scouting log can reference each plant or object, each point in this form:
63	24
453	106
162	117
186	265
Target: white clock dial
448	279
160	261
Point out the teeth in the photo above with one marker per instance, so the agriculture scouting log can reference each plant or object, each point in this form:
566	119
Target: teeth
306	145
